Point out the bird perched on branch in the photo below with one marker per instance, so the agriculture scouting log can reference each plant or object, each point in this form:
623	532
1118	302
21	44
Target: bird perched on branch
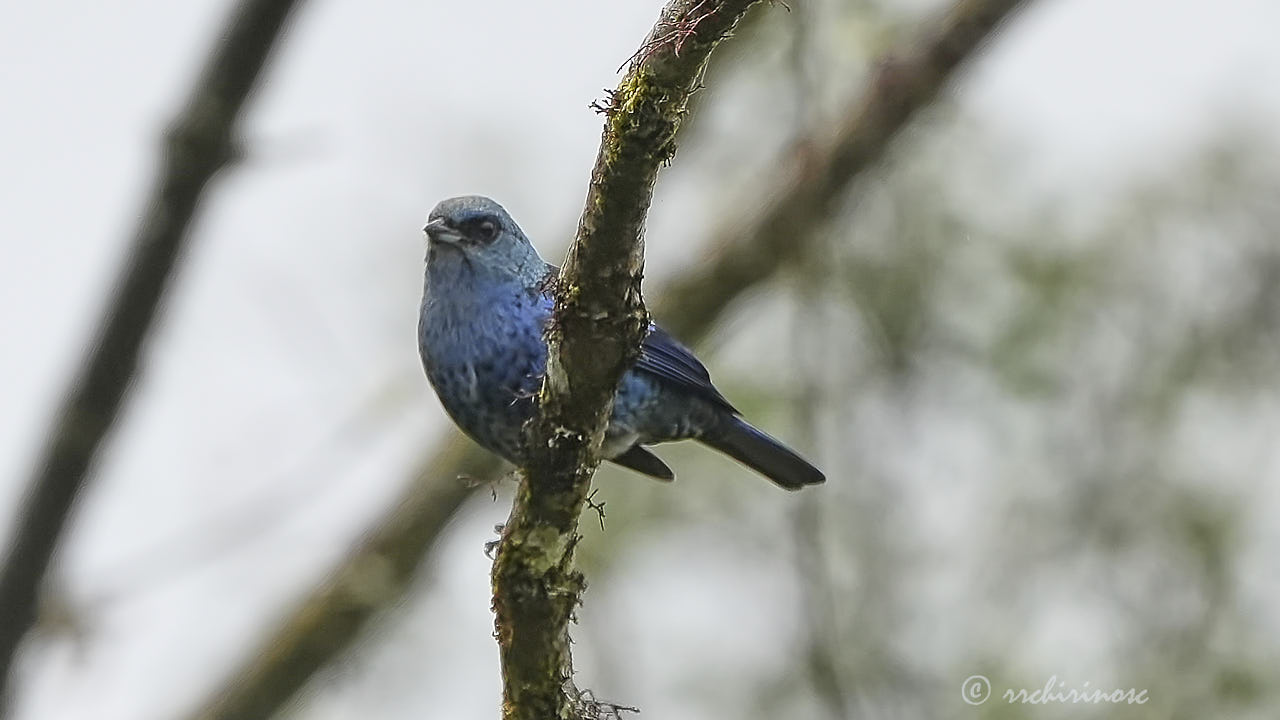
480	333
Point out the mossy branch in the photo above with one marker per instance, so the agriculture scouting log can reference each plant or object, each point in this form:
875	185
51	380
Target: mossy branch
595	334
199	143
745	253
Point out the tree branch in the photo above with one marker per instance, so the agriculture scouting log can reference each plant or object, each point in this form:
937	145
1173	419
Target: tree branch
743	256
374	576
595	334
196	147
746	253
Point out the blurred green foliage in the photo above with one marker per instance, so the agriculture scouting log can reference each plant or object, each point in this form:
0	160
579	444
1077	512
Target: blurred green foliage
1044	436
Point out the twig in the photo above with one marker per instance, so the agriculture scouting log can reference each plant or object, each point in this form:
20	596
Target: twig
196	147
811	339
744	256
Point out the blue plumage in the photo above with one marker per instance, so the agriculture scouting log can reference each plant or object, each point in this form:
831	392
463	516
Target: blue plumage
484	309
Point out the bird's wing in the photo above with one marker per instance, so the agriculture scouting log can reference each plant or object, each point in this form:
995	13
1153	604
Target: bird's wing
665	358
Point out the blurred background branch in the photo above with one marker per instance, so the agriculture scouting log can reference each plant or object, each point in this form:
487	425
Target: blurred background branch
373	578
823	169
199	143
746	252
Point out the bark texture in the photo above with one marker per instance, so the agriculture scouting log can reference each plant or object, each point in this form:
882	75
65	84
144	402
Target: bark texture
597	327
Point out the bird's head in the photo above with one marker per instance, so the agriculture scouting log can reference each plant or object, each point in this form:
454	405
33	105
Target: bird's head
476	234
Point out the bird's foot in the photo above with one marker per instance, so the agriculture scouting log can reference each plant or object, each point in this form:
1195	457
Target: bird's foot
491	547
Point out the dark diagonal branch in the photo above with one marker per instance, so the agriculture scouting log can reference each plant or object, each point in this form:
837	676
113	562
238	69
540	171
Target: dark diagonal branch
595	334
744	254
197	145
373	577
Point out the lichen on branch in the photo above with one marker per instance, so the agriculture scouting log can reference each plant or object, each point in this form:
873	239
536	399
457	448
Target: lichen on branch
596	331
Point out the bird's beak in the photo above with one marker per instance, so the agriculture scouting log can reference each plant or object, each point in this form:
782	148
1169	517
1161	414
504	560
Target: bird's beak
438	231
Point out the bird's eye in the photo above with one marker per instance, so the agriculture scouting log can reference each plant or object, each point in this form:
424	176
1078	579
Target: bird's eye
486	230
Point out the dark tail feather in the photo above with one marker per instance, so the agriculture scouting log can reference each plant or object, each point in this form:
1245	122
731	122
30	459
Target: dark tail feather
763	454
645	463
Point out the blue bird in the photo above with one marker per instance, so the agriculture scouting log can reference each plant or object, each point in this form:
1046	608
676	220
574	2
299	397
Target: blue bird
480	334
